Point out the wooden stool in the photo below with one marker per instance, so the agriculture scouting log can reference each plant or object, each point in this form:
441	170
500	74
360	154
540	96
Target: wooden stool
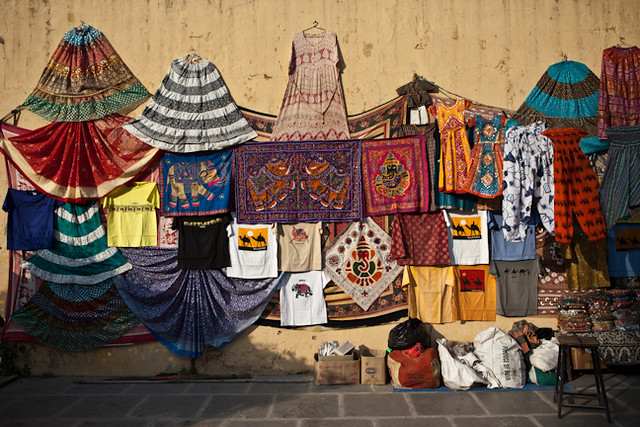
567	342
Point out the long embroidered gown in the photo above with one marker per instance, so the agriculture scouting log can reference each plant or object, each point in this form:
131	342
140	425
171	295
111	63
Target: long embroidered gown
313	105
454	145
484	177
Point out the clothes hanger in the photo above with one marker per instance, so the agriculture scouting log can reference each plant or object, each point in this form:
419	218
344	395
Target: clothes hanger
193	57
623	43
315	26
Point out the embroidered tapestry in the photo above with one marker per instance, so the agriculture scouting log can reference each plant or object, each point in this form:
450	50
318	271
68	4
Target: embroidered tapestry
554	284
395	175
302	181
196	184
360	263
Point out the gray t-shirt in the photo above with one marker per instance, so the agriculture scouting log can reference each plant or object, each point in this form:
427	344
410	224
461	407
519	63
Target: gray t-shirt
517	286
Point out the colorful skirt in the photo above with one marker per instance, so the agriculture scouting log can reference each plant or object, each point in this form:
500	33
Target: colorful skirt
76	162
192	110
79	253
85	79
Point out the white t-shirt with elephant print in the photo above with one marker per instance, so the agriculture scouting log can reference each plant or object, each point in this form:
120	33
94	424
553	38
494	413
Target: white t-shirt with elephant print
302	298
253	249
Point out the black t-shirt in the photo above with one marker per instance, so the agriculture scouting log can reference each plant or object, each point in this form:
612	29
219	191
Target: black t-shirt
203	243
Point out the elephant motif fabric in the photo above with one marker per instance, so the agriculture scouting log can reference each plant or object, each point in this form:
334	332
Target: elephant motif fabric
196	184
299	181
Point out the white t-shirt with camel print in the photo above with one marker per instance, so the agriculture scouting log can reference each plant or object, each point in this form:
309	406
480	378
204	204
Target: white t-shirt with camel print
253	249
468	238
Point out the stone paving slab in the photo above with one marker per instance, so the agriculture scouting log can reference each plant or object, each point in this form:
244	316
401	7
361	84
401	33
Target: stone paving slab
436	403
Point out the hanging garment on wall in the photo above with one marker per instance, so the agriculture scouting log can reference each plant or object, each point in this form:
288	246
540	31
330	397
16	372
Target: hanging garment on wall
517	286
586	261
620	186
432	293
503	250
192	110
484	177
528	177
302	299
298	181
196	184
395	175
76	162
76	317
417	92
554	284
619	96
359	262
576	188
382	121
131	217
313	106
454	145
79	253
476	292
468	238
623	246
253	249
85	79
420	239
300	247
203	243
30	219
188	310
566	96
431	151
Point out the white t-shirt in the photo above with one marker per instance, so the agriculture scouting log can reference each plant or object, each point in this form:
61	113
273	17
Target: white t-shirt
302	298
468	238
253	249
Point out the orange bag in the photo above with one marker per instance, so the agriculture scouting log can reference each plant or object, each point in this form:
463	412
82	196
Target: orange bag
418	372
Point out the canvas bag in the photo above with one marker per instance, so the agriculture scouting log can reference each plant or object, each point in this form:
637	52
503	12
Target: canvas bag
456	374
502	354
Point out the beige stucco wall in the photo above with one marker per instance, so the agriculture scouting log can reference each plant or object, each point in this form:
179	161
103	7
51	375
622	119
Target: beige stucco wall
489	51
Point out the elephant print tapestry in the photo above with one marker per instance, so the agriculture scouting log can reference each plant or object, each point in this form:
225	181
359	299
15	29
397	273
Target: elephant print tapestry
395	175
298	181
195	184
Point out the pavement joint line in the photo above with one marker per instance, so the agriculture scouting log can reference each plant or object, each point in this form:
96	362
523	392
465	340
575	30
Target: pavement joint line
271	406
340	405
534	421
546	398
474	396
204	405
412	408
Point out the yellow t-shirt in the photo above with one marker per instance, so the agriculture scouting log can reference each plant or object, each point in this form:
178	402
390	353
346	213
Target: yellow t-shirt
476	290
431	293
131	217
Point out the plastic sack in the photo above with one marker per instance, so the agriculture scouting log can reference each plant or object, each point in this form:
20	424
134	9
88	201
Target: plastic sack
407	334
414	372
502	354
456	374
545	356
538	377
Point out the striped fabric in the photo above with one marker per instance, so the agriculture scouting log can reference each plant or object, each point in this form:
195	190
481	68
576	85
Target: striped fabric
191	111
85	79
619	99
620	186
79	252
76	317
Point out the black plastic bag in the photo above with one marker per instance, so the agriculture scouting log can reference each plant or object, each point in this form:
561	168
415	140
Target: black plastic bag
406	334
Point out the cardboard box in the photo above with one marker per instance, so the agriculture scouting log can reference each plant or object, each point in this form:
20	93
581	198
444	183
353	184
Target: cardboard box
331	370
580	359
373	366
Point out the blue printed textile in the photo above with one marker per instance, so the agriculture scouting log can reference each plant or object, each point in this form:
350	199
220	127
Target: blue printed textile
195	184
188	310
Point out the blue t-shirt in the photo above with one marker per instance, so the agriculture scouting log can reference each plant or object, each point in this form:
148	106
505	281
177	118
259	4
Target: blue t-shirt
502	250
30	222
623	245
